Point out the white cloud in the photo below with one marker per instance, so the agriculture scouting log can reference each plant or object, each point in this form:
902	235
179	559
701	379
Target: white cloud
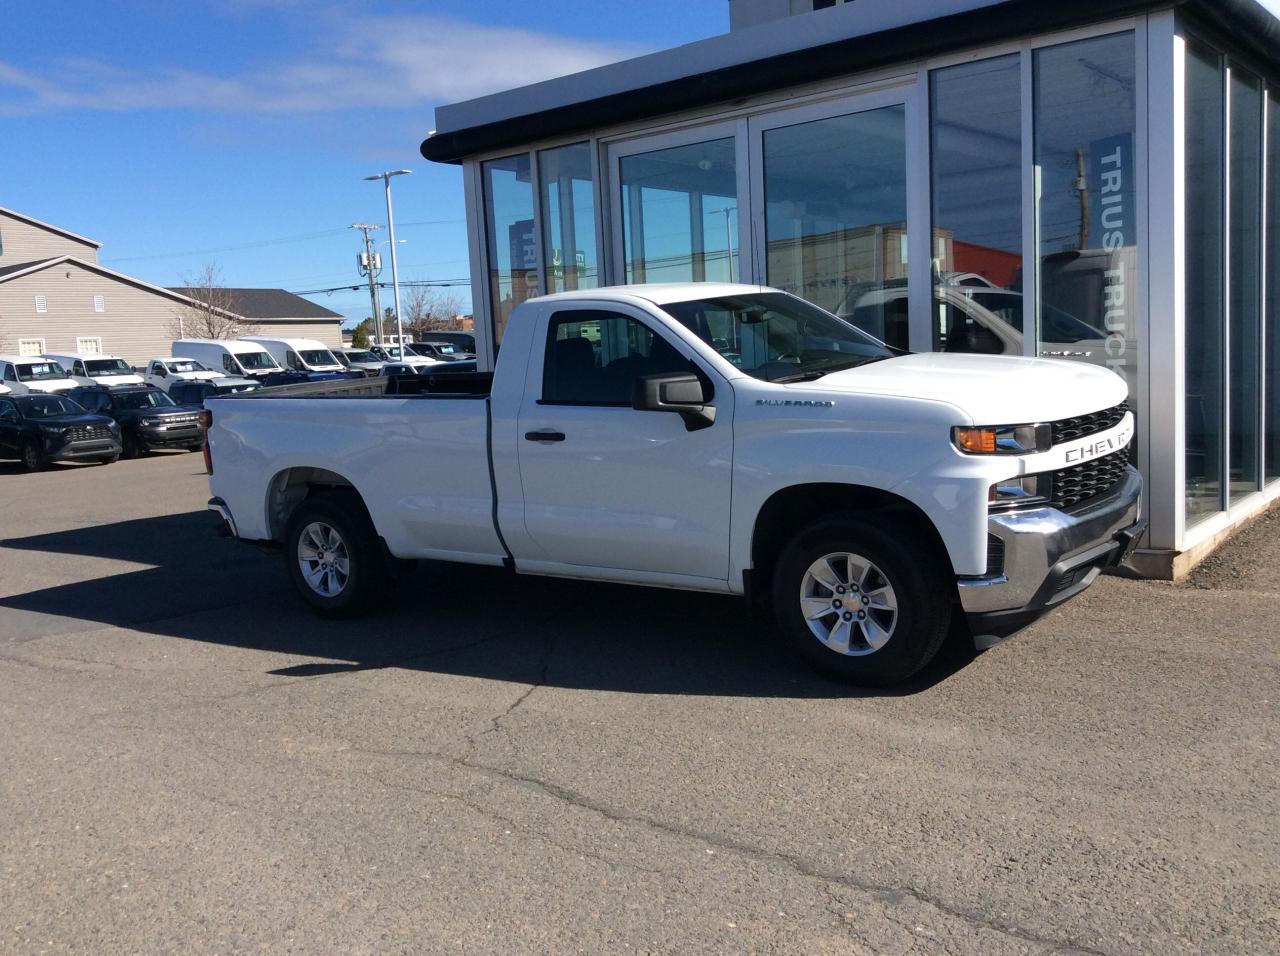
371	61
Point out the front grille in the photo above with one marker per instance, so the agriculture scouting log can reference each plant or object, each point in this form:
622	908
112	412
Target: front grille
88	433
1082	426
1080	483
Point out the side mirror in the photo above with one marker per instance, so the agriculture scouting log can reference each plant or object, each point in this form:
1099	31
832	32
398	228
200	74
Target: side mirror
681	393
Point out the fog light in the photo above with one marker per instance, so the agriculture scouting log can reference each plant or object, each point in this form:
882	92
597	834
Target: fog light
1024	489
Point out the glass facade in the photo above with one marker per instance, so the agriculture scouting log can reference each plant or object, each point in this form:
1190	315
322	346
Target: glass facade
512	242
679	213
568	218
1244	299
1271	361
1086	219
836	216
1205	263
976	150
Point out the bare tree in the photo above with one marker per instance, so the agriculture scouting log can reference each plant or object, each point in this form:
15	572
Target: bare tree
214	312
430	310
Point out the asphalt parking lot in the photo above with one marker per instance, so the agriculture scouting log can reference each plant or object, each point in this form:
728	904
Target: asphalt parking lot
191	763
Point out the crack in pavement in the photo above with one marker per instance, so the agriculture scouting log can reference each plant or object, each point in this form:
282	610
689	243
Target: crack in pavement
894	895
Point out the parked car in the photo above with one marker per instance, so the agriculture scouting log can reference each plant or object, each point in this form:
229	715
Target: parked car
869	492
163	372
38	428
25	373
235	357
194	393
405	356
463	340
443	351
361	359
147	416
96	369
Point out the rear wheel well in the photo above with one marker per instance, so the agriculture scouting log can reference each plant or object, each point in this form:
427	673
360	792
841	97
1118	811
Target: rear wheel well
293	486
789	510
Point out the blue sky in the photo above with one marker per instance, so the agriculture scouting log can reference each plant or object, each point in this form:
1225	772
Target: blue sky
184	134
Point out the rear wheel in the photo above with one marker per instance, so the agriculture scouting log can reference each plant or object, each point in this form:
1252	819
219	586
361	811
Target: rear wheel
32	457
333	555
864	602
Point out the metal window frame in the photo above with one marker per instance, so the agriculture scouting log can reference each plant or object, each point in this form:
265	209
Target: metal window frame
31	354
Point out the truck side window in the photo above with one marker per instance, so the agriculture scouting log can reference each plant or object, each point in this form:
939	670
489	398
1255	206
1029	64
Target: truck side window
593	357
229	365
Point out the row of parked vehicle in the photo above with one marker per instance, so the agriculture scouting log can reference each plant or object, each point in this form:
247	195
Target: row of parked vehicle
93	407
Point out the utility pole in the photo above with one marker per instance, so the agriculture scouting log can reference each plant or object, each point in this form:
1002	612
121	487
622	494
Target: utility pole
370	264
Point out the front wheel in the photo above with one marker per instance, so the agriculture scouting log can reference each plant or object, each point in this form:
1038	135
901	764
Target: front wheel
135	447
32	457
333	557
867	603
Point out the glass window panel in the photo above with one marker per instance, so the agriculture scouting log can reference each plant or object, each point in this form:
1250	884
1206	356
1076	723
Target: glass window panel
674	204
512	249
836	217
1244	295
568	218
976	138
1205	255
1272	388
1087	217
594	358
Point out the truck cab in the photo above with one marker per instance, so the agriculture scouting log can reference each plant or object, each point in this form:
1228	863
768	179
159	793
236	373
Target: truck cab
96	369
21	374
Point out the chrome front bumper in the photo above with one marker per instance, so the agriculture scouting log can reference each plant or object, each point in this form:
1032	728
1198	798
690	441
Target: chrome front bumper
219	507
1051	556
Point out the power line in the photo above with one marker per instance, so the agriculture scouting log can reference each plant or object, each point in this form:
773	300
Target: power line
424	283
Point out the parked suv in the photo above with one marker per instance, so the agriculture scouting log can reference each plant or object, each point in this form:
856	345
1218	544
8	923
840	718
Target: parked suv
148	418
37	428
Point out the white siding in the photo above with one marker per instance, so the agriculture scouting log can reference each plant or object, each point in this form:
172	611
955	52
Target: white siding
22	242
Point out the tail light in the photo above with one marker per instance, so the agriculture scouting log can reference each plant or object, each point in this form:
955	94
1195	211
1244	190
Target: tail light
206	422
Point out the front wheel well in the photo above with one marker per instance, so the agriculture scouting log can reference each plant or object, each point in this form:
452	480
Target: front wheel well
291	487
790	509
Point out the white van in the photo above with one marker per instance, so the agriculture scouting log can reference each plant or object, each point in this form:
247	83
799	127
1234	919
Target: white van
163	372
94	368
233	356
21	374
299	355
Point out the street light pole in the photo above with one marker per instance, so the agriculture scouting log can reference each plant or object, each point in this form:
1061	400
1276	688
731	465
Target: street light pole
391	230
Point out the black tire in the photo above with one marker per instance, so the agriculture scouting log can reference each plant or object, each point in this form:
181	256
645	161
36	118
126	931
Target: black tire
365	579
195	447
32	457
108	459
902	558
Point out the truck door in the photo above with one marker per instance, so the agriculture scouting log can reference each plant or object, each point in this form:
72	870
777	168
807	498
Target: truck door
606	486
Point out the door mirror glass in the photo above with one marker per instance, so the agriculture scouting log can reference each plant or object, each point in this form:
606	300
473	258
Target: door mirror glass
682	393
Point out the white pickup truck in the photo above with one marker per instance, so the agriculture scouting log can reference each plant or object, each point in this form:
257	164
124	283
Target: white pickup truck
722	438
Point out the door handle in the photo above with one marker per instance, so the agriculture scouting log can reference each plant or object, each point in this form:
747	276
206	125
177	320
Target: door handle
546	435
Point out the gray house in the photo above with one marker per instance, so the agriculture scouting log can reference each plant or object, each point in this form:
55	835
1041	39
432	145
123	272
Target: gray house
56	297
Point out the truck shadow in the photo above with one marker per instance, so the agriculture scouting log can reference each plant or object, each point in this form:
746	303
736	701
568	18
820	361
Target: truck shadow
469	621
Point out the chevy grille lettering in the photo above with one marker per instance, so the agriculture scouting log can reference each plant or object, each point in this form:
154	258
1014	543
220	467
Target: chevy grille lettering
1103	446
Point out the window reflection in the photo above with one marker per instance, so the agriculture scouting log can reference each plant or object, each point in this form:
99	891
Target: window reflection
679	212
512	246
835	217
568	213
976	139
1087	218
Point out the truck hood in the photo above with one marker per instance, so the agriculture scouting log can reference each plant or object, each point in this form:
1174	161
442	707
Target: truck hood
991	389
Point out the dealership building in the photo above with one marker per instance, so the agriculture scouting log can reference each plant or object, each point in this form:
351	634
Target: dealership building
1093	181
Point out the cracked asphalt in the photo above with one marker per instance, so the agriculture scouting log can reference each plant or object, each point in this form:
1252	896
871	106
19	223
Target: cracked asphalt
191	763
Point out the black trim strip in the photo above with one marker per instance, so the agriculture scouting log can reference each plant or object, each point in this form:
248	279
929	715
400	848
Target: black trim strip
1249	23
509	561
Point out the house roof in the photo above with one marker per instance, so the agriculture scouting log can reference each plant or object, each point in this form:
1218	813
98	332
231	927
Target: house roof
44	225
271	304
849	38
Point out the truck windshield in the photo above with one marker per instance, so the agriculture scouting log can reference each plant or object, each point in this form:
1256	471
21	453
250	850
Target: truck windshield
778	337
40	371
97	368
314	357
152	398
256	360
352	356
187	366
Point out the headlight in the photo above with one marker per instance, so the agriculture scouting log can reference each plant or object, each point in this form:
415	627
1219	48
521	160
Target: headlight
1022	490
1003	439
